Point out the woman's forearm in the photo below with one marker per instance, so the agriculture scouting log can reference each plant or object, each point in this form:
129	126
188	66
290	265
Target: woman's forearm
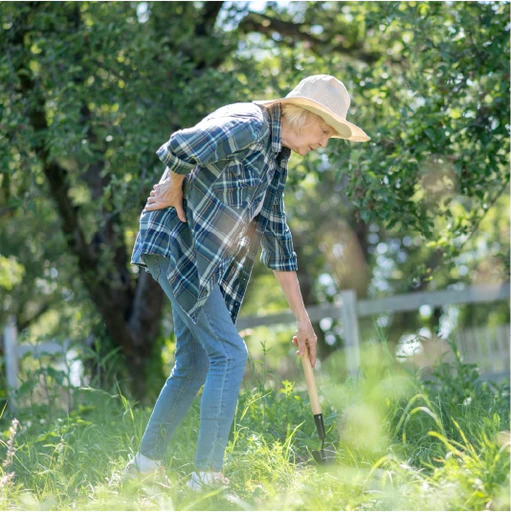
305	337
291	287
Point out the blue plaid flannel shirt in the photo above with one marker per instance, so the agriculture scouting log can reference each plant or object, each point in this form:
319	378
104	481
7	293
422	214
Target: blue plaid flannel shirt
232	159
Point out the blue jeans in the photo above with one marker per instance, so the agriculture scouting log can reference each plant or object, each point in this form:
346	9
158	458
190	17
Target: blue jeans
210	352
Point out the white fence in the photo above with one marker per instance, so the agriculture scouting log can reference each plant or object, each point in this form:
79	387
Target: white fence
476	345
348	309
487	348
14	351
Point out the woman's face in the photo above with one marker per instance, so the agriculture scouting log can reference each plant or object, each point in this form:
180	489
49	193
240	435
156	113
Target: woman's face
313	135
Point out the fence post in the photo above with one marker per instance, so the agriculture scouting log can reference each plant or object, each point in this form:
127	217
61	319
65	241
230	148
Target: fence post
351	334
11	358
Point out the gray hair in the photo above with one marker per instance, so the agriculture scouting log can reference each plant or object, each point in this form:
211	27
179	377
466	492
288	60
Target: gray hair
298	117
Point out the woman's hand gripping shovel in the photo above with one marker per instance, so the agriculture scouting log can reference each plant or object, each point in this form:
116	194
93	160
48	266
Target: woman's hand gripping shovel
320	456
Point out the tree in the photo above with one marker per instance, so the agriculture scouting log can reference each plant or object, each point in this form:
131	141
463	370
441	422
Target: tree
438	161
83	106
89	91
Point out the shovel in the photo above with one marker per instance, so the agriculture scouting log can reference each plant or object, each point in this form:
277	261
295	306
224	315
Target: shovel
320	456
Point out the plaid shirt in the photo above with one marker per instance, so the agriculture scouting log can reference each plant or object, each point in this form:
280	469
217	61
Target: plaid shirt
232	159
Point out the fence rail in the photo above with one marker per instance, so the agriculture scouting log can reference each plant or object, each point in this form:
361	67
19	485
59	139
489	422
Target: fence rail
347	308
402	302
13	351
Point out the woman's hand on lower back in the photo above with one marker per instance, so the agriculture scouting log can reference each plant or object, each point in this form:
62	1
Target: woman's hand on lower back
168	193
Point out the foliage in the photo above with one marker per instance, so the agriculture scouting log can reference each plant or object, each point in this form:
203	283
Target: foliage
86	89
440	147
407	210
89	90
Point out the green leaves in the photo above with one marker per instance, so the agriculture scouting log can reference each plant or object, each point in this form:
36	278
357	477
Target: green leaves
11	272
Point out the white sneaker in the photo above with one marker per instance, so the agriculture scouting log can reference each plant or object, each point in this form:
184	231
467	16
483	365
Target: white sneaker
145	469
206	479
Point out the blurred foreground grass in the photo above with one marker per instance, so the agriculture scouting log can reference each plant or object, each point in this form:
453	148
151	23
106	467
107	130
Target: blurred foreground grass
402	443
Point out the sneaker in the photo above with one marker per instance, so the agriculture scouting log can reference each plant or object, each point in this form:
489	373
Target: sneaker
207	479
146	470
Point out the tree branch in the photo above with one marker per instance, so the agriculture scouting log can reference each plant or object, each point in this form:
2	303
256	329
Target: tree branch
437	256
149	297
209	15
257	22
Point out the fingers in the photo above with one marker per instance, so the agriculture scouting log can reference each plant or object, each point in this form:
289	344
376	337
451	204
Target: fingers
150	203
163	196
153	205
151	200
180	212
300	343
312	353
302	347
156	201
308	347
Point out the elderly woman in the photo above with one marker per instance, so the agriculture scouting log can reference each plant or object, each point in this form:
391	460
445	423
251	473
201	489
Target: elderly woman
220	198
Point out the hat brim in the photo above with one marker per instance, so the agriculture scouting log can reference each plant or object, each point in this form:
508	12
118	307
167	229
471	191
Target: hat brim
344	129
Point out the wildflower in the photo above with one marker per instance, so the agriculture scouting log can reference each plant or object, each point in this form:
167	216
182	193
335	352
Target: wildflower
7	477
10	443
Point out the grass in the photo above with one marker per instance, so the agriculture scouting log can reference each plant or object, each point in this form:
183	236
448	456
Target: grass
401	443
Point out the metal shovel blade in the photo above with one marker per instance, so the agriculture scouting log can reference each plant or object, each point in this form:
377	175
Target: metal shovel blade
319	456
323	457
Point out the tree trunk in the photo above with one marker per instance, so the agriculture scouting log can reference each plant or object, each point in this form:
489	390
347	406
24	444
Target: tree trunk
130	308
131	312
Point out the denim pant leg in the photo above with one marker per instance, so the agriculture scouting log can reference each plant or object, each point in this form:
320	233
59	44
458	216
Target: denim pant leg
227	354
187	377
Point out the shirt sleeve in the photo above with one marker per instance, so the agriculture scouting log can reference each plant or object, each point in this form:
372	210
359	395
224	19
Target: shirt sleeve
209	141
277	242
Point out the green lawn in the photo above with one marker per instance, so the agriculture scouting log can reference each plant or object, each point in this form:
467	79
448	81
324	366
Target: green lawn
402	443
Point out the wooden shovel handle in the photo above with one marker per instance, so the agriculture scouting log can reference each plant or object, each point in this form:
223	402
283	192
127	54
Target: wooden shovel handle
311	384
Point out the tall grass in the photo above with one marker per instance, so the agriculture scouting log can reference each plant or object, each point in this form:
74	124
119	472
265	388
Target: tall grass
400	442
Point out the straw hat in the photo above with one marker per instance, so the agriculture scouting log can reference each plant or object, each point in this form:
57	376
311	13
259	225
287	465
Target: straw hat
327	97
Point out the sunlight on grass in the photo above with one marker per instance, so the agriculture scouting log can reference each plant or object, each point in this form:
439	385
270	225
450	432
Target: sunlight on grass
400	443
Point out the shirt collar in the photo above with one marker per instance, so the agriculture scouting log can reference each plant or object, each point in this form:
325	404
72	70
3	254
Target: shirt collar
282	153
275	113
